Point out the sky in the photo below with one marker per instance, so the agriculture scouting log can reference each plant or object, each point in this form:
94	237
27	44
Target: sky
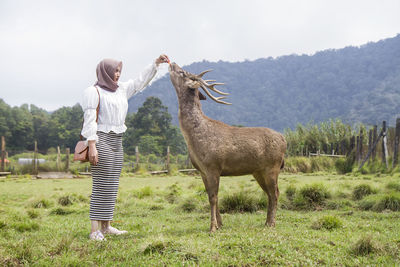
49	49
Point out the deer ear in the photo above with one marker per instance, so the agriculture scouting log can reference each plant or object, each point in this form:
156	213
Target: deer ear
192	84
201	96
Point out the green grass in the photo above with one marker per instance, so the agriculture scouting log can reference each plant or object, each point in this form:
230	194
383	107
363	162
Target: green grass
45	223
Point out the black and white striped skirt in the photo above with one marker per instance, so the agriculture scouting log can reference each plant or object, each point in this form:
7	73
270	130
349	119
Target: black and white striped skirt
106	176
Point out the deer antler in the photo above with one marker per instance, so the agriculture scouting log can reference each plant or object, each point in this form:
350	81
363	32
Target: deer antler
204	84
204	72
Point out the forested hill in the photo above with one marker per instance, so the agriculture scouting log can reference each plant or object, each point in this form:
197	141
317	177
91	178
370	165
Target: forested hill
356	84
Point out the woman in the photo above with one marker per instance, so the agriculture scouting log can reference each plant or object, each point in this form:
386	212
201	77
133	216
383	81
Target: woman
103	132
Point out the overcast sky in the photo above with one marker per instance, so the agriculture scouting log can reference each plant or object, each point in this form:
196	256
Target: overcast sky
49	49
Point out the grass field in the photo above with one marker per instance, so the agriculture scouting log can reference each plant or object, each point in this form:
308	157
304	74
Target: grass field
323	219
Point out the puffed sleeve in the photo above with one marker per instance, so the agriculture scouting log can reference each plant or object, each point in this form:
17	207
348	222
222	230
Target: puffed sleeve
89	105
139	84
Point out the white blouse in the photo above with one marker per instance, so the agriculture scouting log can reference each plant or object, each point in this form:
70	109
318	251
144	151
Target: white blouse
113	105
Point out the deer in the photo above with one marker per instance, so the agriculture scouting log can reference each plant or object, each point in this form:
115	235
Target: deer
218	149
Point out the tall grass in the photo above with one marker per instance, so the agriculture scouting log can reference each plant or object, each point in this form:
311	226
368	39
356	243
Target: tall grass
309	164
381	202
362	190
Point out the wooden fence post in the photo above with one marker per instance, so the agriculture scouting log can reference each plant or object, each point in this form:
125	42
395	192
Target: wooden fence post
371	150
396	143
168	167
358	149
58	158
370	141
384	146
137	157
188	163
67	152
3	152
352	145
35	160
374	137
360	155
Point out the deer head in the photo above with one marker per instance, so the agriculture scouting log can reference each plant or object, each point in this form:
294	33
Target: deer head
183	80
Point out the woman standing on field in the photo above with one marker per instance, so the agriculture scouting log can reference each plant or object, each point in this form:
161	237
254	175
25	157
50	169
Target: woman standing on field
104	135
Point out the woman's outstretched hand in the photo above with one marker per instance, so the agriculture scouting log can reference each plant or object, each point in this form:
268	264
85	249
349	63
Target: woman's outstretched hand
162	59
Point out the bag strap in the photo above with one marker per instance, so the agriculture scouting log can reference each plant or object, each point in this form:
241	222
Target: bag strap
97	112
98	105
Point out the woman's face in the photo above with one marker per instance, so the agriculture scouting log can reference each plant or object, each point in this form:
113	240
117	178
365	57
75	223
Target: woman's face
117	74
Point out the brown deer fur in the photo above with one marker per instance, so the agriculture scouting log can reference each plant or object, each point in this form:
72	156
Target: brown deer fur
217	149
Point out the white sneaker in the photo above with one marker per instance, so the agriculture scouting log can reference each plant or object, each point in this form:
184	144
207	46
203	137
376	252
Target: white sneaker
114	231
98	236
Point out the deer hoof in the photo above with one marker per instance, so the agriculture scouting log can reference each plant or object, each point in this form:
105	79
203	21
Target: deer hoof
213	228
270	224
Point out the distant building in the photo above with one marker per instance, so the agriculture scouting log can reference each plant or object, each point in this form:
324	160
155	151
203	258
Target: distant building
26	161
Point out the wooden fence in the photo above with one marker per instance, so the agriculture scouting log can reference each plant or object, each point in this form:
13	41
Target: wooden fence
65	164
384	145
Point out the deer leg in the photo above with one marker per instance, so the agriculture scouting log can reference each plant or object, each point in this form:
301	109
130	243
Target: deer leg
211	182
268	180
219	218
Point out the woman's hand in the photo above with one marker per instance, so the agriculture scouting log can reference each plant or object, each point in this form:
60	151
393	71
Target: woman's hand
93	156
162	59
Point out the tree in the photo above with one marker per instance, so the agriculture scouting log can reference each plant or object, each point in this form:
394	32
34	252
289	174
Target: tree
21	126
151	129
65	125
40	119
5	115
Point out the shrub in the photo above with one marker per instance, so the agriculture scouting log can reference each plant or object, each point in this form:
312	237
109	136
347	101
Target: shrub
362	190
173	193
368	202
61	211
156	247
143	192
388	202
174	189
66	200
363	246
337	204
322	164
156	207
42	203
262	201
344	165
242	201
300	164
188	205
290	192
328	223
311	196
33	214
393	186
381	202
152	159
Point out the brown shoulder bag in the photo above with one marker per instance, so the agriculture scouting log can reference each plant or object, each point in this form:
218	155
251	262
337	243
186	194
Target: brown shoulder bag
81	152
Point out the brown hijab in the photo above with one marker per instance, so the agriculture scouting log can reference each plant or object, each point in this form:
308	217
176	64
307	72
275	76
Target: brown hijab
105	74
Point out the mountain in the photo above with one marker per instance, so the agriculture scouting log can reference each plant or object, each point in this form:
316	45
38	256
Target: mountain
355	84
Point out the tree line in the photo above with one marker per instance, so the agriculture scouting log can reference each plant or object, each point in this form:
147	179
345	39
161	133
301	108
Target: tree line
150	128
